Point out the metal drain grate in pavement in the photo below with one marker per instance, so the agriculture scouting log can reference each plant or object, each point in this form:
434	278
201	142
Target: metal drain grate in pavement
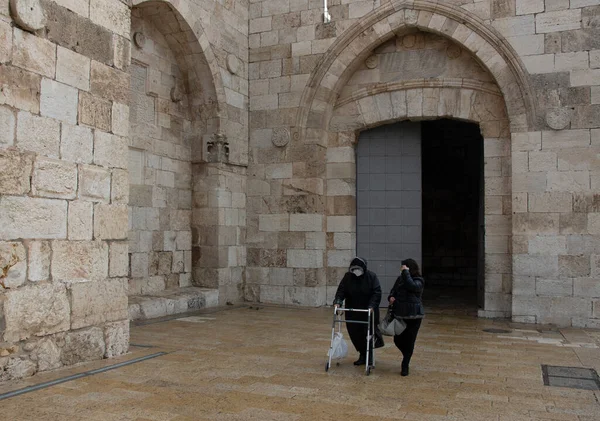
572	377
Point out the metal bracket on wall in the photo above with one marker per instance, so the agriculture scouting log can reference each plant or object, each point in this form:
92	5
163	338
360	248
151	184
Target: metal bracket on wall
326	14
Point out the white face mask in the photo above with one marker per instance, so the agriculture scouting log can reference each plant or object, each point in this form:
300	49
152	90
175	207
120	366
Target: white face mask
357	272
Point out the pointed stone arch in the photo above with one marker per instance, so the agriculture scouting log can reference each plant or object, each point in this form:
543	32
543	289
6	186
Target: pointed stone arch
197	45
461	26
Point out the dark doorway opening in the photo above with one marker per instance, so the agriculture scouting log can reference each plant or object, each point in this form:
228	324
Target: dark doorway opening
453	237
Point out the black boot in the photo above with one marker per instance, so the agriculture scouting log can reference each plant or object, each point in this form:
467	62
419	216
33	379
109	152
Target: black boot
404	371
362	359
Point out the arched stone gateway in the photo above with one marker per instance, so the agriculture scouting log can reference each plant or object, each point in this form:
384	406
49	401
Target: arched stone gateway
386	22
421	60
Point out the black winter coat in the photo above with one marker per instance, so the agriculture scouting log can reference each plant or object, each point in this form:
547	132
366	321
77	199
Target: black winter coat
360	292
408	292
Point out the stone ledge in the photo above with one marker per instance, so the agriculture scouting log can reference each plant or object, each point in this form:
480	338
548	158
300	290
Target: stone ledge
169	302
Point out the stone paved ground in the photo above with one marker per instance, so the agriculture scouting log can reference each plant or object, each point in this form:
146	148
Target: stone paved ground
268	364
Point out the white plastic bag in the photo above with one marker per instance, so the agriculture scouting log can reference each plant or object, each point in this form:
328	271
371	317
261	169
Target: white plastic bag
339	347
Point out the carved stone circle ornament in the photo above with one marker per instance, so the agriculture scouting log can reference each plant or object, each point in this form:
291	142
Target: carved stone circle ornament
558	118
139	40
28	14
281	137
372	62
234	64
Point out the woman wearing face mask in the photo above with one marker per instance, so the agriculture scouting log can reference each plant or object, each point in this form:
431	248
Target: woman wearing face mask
405	298
361	290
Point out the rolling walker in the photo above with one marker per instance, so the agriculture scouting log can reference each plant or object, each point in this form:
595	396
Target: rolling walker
337	319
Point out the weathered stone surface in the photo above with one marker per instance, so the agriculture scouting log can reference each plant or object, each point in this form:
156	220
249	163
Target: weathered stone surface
83	345
75	32
79	260
16	171
111	14
96	302
39	260
6	42
73	69
46	354
80	7
120	119
20	88
110	222
116	337
94	111
119	259
16	368
13	264
109	83
119	192
36	311
80	220
94	183
54	178
59	101
558	21
34	53
76	144
38	134
110	150
121	52
7	127
24	217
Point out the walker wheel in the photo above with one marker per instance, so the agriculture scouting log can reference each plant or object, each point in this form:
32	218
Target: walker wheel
326	367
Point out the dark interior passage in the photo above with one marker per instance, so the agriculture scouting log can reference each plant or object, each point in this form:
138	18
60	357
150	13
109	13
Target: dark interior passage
452	159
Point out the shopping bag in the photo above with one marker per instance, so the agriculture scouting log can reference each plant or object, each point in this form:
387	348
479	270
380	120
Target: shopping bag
339	348
390	325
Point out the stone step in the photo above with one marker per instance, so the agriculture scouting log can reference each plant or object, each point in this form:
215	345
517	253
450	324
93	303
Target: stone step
169	302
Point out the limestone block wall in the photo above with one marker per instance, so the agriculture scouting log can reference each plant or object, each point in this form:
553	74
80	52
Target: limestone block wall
63	186
541	57
160	169
65	89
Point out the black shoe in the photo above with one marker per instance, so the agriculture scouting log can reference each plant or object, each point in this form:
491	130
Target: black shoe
362	360
379	343
404	371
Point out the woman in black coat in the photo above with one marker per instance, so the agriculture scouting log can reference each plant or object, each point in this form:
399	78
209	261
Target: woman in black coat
405	298
361	290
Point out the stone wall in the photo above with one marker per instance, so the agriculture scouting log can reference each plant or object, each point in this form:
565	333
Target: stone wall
313	86
160	169
63	185
66	83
